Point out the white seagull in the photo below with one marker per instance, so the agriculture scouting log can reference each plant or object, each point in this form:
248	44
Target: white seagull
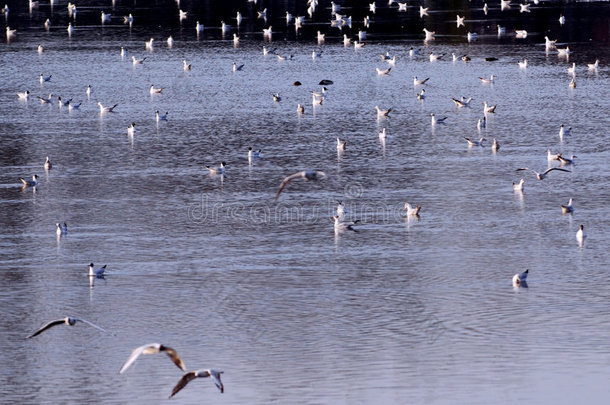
524	8
550	156
153	348
523	64
23	95
581	235
105	17
473	142
485	80
160	117
541	176
382	113
185	65
217	170
419	82
135	61
568	208
61	229
383	72
309	175
131	129
563	131
47	164
518	187
97	273
487	109
412	211
70	321
155	90
106	109
191	375
429	35
520	279
593	66
460	21
437	120
29	183
340	225
522	34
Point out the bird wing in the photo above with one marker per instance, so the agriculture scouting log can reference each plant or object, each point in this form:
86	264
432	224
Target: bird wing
286	181
216	378
173	355
556	168
186	378
132	357
46	326
522	168
90	324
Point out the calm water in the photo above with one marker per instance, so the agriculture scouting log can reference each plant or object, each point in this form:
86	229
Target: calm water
404	311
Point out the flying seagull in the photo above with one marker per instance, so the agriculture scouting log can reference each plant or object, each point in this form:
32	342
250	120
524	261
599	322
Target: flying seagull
191	375
153	348
68	321
306	174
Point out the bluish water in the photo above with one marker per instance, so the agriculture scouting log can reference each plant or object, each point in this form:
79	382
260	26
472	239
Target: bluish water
403	311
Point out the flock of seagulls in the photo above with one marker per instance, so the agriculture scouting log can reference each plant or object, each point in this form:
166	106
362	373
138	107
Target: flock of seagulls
340	222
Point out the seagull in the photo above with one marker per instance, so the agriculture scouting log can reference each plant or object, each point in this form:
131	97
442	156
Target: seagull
237	67
137	61
268	51
342	226
61	229
128	19
72	106
40	49
549	44
437	120
504	5
153	348
10	33
383	113
47	164
47	24
472	36
30	183
593	66
235	39
149	44
550	157
239	18
62	103
372	7
70	29
45	78
418	82
23	95
160	117
97	273
106	109
402	6
562	19
495	146
198	28
182	15
277	97
383	72
170	41
541	176
308	175
224	28
487	81
267	32
155	90
485	8
572	84
217	170
253	154
581	235
482	123
434	57
518	187
262	14
460	21
488	108
346	41
68	321
523	65
566	161
131	129
341	144
520	278
321	37
524	8
563	52
472	142
421	95
412	211
462	103
568	208
520	34
45	100
341	211
88	91
361	35
429	35
572	70
563	131
423	11
191	375
501	30
185	65
105	17
301	109
358	45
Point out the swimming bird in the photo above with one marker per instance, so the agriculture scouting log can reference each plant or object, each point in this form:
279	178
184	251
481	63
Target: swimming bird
566	161
40	49
191	375
520	34
199	28
473	142
581	235
520	278
412	211
434	57
106	109
253	154
61	229
541	176
487	109
235	39
153	348
361	36
383	113
160	117
47	24
419	82
44	78
482	123
568	208
46	100
301	109
70	29
549	44
308	175
422	94
487	81
97	273
501	30
105	17
10	33
135	61
128	19
383	72
572	69
495	146
155	90
88	91
170	41
518	187
460	21
341	144
71	106
47	164
30	183
149	44
267	32
563	131
563	52
358	45
131	129
524	8
224	28
572	84
562	19
268	51
185	65
523	65
182	15
70	321
437	120
23	95
62	103
276	97
462	103
239	18
472	36
217	170
593	66
237	68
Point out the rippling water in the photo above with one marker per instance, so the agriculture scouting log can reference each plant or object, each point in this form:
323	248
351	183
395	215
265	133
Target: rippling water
403	311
